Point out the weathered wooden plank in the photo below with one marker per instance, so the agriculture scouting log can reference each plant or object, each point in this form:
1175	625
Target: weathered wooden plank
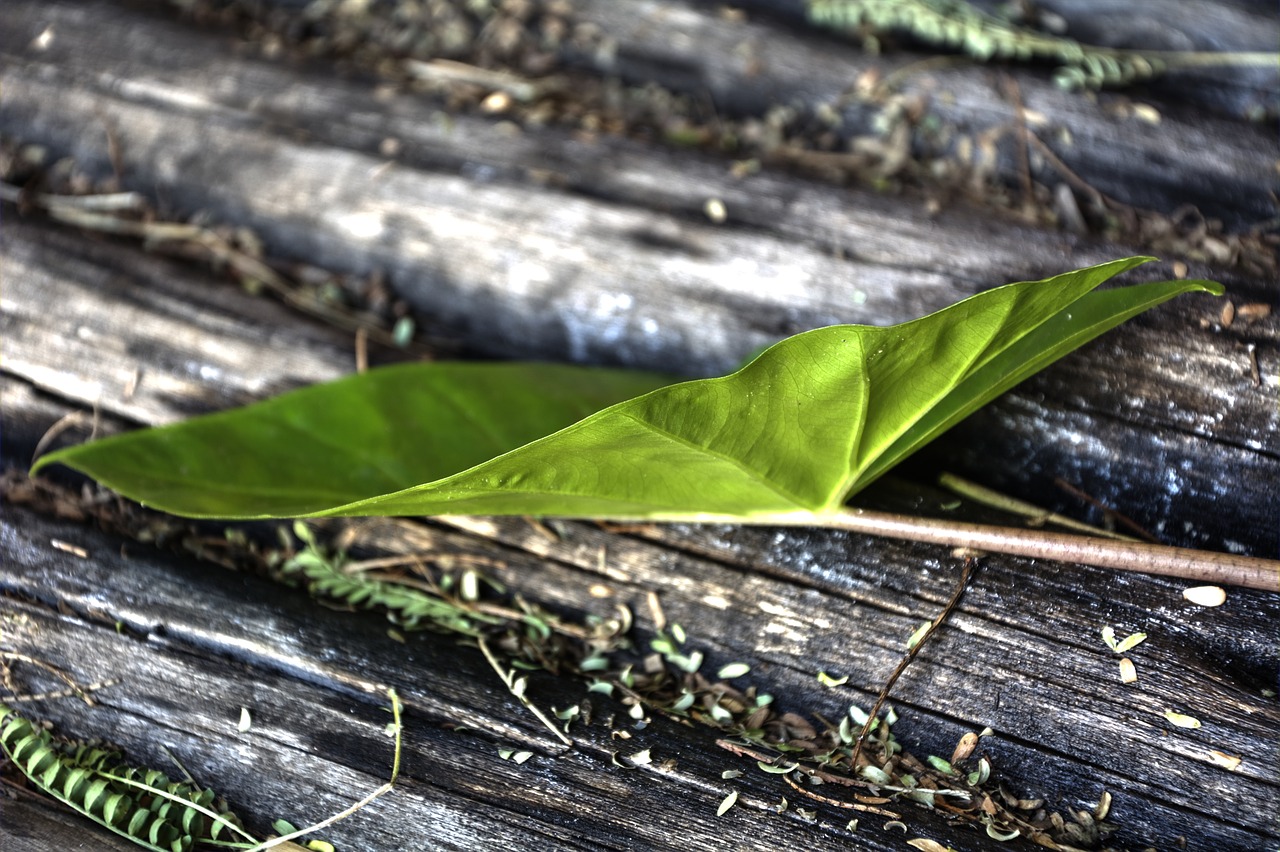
1151	419
1110	736
546	274
740	67
829	593
312	690
991	684
1162	418
688	297
165	342
27	826
748	66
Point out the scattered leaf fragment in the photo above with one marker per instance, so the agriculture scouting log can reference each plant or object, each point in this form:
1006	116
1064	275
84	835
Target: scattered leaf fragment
283	827
469	588
730	774
733	670
727	803
1122	645
1146	113
1253	311
915	637
245	721
851	825
1128	673
981	774
876	775
402	333
1180	720
1206	595
1103	808
965	747
720	714
1228	314
595	663
1131	641
943	766
513	755
829	681
1227	761
1003	836
641	758
775	769
924	844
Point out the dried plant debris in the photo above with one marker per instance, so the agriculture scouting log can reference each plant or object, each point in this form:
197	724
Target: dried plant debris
1119	646
532	63
659	676
1206	596
959	25
59	189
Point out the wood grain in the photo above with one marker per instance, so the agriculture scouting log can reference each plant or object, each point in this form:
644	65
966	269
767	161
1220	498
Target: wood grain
549	244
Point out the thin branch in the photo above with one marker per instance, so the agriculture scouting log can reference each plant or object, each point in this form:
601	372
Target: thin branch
509	679
1200	566
965	574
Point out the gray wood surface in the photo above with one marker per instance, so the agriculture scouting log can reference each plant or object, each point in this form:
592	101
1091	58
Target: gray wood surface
546	244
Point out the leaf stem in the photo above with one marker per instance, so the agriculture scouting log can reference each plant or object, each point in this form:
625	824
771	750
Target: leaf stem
1201	566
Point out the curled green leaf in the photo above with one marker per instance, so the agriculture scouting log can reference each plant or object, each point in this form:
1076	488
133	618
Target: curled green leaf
832	682
791	435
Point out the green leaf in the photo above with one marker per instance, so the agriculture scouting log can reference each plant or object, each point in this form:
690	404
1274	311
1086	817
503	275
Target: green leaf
804	425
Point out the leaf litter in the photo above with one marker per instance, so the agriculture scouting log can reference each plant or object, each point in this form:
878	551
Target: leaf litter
750	723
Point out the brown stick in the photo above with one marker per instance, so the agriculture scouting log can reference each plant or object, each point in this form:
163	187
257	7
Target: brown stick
1201	566
965	574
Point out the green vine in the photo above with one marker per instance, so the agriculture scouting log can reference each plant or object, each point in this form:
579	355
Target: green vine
959	25
143	805
327	575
